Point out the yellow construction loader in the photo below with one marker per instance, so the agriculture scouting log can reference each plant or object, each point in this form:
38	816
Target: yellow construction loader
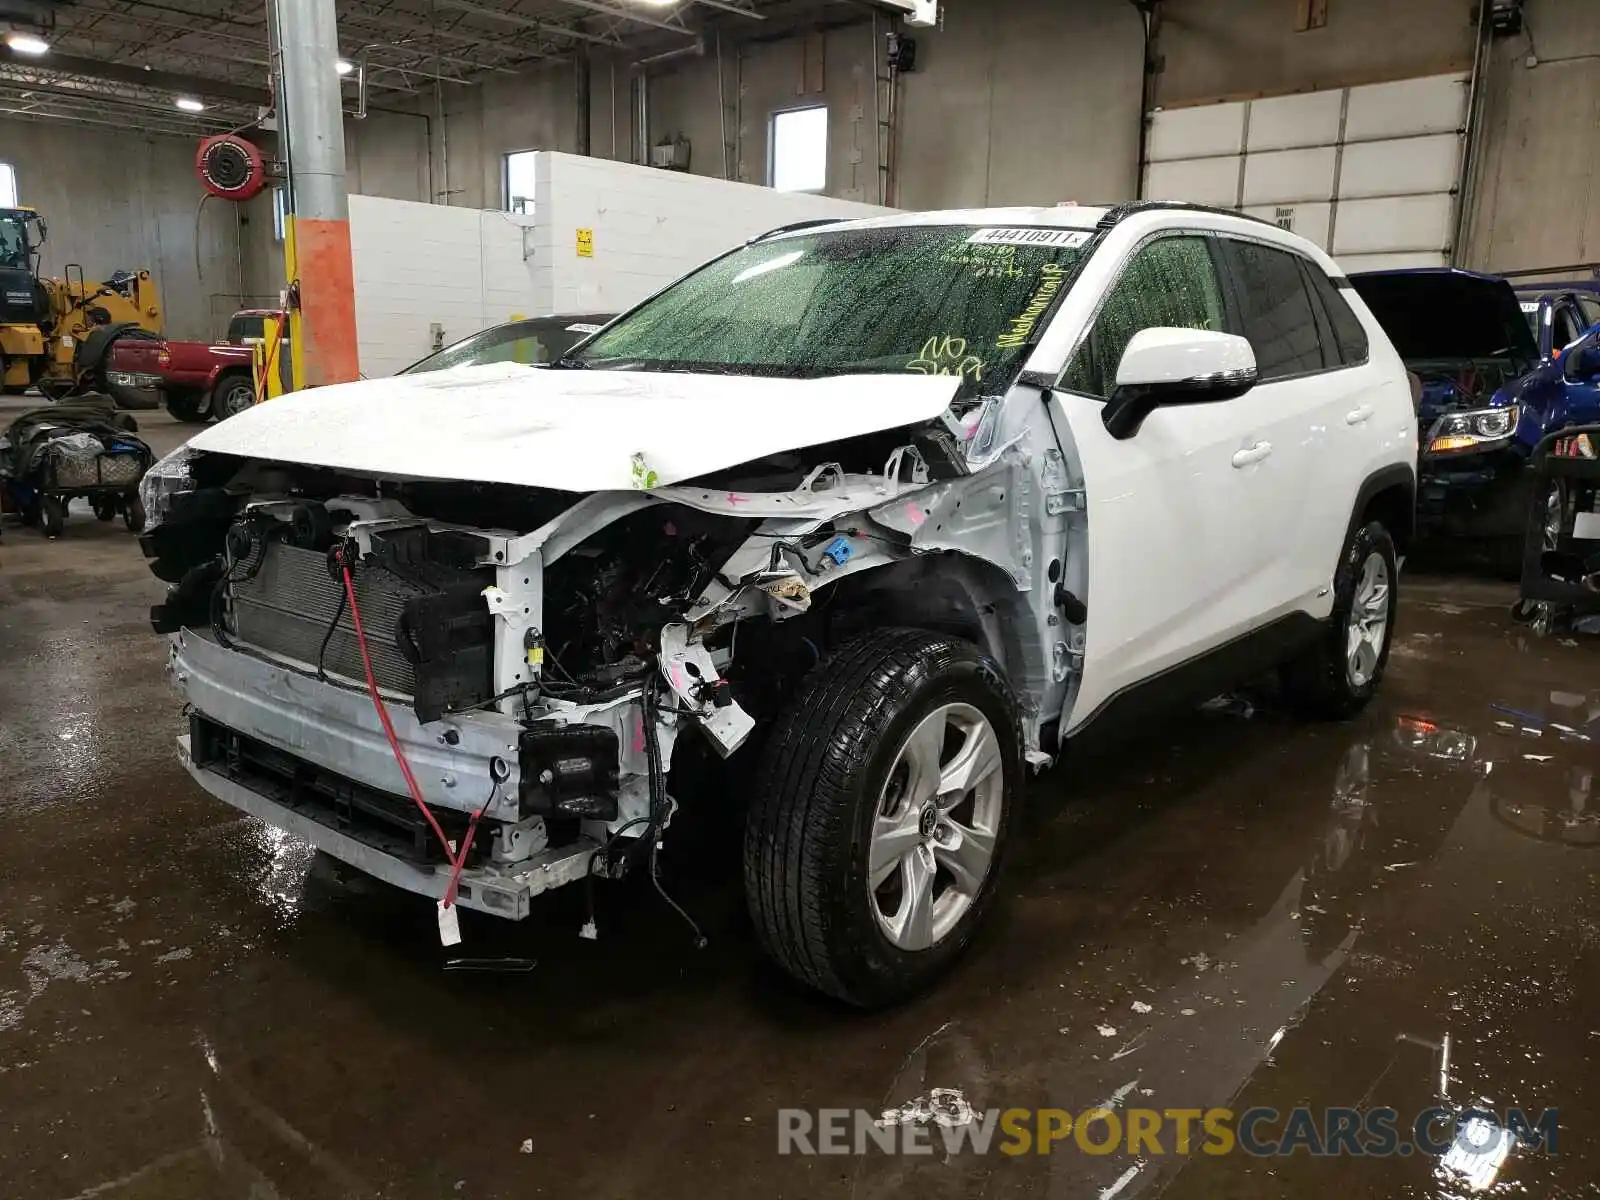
56	334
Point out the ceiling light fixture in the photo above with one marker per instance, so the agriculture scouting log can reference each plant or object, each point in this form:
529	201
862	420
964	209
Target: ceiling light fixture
189	104
26	43
344	66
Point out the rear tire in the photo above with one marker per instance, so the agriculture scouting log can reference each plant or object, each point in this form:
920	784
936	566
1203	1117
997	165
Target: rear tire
1341	672
189	407
901	759
232	396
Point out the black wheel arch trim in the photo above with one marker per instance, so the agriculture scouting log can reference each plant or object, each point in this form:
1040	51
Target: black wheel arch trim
1382	480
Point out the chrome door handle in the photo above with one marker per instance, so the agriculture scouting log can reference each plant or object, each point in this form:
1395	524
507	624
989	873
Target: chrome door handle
1357	415
1253	454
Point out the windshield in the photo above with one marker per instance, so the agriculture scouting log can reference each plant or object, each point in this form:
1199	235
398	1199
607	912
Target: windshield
13	243
930	300
541	340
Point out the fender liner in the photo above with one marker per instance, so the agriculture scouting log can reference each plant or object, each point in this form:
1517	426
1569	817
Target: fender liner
1394	475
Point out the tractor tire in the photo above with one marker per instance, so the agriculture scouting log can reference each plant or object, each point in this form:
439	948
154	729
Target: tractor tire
192	408
891	782
232	395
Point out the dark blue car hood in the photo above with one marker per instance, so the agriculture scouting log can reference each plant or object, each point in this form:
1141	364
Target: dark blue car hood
1445	316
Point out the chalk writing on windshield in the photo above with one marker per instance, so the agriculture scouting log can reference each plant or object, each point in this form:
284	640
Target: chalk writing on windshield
946	355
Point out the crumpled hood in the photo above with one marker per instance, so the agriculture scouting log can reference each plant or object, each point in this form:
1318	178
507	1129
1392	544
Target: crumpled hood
580	431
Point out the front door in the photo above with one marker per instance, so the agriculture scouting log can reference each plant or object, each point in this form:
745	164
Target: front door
1172	511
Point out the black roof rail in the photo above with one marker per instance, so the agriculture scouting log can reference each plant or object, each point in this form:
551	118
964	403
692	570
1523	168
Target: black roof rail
794	225
1133	207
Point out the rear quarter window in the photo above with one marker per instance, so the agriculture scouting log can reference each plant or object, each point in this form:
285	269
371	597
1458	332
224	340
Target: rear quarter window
1348	332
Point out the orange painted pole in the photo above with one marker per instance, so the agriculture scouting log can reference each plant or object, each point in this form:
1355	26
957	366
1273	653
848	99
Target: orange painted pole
327	301
311	123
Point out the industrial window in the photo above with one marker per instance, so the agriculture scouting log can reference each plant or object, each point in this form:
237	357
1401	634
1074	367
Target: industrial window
1348	332
1170	282
1275	311
8	185
798	159
517	181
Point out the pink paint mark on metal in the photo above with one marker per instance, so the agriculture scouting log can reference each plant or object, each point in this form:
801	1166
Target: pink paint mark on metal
638	734
915	515
735	498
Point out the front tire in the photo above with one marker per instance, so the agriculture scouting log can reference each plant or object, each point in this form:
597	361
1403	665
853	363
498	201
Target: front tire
880	815
1340	673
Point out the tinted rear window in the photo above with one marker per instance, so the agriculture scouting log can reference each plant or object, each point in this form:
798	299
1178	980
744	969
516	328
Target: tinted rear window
242	328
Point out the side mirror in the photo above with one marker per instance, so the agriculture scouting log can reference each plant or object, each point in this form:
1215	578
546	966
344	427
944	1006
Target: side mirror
1165	366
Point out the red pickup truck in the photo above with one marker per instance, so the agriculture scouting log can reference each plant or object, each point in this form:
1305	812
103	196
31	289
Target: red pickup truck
197	380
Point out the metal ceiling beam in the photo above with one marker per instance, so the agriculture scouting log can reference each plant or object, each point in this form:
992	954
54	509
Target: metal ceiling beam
727	6
623	14
139	77
511	18
110	120
155	108
409	30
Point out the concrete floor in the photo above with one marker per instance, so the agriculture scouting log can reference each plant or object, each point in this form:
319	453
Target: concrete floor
192	1006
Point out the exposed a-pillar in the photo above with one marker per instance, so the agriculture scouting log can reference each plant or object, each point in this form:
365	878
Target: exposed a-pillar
317	230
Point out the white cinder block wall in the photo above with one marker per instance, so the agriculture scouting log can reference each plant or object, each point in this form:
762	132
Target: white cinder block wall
649	226
465	269
417	265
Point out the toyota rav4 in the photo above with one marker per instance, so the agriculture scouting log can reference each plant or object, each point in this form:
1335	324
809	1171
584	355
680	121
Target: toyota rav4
857	523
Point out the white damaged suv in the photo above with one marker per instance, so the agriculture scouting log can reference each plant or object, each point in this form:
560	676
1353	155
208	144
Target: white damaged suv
857	523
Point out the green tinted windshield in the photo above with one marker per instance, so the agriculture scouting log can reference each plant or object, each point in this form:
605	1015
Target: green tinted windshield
933	300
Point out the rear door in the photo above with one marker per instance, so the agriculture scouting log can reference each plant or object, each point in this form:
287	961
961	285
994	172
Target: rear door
1300	410
1174	551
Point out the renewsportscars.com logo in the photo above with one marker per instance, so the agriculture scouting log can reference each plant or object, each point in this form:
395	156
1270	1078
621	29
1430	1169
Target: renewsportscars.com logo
1475	1141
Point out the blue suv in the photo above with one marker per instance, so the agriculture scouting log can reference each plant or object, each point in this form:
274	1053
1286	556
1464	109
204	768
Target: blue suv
1489	392
1558	313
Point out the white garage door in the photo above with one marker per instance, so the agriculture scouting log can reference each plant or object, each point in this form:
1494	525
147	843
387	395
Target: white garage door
1368	173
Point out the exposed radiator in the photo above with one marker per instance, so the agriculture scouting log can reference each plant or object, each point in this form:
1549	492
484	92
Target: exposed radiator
285	606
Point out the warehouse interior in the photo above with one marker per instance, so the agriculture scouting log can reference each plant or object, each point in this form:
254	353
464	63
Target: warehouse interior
1295	932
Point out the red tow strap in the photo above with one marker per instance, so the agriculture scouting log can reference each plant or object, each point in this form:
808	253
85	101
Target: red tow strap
457	862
